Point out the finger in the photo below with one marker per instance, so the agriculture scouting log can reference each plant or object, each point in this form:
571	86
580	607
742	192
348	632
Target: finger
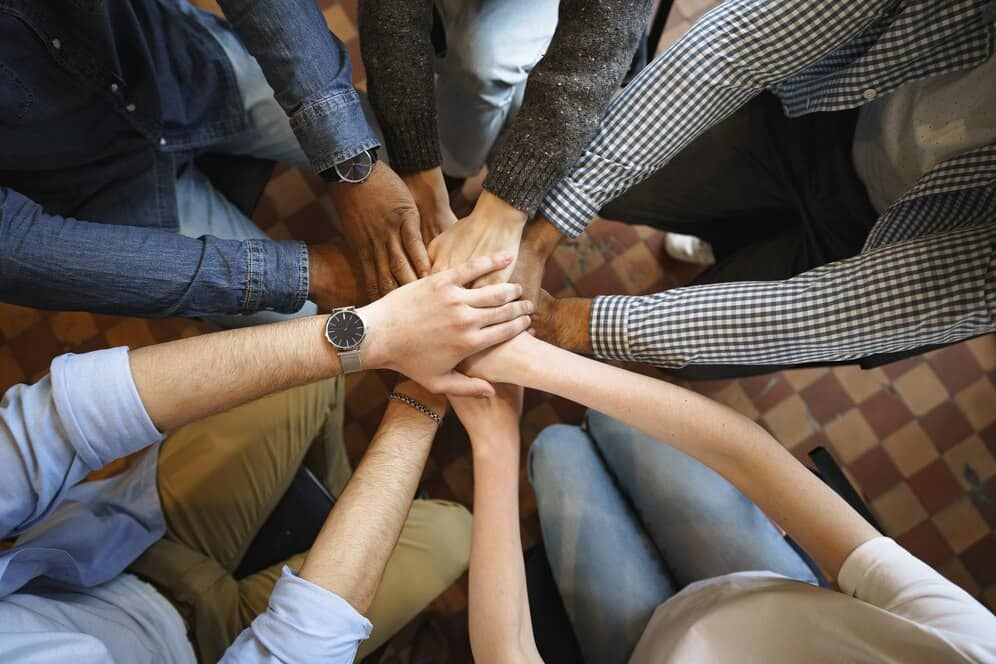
385	281
496	277
433	251
491	296
459	385
414	246
477	268
369	274
496	334
400	267
504	313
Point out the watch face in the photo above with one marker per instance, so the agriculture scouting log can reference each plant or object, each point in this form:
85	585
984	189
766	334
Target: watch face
345	329
355	169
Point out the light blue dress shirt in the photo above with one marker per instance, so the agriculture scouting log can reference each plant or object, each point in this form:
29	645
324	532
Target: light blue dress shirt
62	591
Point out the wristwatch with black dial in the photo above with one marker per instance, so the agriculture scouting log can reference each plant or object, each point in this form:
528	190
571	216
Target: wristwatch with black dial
355	169
345	330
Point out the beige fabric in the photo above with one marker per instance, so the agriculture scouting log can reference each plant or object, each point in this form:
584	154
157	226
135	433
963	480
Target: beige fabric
220	477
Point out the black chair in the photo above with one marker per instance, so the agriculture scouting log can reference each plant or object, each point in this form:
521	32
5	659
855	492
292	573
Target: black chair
555	638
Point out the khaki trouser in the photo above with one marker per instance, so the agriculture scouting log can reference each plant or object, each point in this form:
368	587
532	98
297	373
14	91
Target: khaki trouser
220	477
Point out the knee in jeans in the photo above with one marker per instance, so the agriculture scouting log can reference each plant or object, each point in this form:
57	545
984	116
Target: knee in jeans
480	56
552	448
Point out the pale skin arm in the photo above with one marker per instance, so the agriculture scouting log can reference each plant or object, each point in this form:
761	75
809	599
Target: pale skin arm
188	379
498	607
821	522
349	556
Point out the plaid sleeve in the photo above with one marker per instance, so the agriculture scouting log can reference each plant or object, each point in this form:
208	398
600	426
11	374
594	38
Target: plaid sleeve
731	54
932	290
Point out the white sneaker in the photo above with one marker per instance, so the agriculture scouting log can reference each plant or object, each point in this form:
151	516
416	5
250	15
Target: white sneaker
689	249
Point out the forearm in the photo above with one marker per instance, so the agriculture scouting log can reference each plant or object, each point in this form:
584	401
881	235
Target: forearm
351	551
500	626
402	88
903	296
54	262
188	379
310	72
567	93
734	446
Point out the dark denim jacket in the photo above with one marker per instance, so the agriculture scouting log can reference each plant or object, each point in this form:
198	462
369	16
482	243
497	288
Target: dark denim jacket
101	101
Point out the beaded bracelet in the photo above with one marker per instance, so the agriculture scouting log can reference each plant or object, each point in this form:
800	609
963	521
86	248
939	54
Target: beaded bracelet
417	405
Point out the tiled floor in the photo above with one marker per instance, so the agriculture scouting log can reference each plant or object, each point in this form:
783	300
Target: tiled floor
918	437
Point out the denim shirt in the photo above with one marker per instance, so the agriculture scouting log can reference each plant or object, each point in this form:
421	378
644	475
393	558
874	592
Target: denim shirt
101	101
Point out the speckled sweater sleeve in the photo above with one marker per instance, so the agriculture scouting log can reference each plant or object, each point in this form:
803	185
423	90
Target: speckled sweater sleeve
566	95
396	44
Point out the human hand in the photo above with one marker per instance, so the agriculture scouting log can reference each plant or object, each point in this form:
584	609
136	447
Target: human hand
424	329
538	243
382	225
493	420
433	201
565	322
493	226
333	277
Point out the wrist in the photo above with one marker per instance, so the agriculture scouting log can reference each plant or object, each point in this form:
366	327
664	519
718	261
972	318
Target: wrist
427	187
570	317
498	211
374	353
541	237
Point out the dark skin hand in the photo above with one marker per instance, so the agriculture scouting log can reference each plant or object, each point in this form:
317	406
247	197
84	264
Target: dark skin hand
539	240
335	277
428	188
382	225
564	322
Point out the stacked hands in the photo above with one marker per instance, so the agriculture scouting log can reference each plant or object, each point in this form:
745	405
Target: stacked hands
464	286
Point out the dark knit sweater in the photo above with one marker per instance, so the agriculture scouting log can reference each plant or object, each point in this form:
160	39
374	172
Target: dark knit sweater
566	94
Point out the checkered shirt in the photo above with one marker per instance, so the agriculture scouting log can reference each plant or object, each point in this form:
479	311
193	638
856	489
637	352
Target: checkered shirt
927	273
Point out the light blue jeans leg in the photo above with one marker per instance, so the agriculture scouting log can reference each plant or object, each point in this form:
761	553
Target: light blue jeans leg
702	525
202	209
609	573
491	46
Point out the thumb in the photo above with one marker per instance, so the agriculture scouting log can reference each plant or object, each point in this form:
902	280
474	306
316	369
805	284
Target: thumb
459	385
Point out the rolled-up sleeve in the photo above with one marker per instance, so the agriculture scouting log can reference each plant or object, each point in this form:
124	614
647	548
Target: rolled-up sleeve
82	416
309	70
55	262
304	623
934	290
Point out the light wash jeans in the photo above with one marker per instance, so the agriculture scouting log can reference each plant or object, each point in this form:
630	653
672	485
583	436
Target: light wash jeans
202	209
628	521
491	46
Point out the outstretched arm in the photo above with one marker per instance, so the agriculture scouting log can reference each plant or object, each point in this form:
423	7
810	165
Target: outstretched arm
734	446
500	626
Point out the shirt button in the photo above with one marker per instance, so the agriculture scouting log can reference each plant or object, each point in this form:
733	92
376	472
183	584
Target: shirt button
870	94
162	141
130	108
114	87
56	44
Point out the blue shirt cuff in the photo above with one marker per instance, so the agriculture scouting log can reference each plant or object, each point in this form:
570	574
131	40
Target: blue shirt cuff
333	129
276	276
99	406
306	623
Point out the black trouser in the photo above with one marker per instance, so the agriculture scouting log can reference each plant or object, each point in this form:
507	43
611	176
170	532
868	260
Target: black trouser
774	196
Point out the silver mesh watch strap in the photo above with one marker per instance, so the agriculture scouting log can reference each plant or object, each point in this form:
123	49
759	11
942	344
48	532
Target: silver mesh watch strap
350	361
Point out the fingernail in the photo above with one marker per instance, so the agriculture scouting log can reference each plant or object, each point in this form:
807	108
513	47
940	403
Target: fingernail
529	307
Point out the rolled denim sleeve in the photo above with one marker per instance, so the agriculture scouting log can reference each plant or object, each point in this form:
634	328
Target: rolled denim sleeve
310	72
54	262
81	417
303	623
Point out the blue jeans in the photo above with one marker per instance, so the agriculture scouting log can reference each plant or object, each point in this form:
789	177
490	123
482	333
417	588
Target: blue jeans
628	521
491	46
